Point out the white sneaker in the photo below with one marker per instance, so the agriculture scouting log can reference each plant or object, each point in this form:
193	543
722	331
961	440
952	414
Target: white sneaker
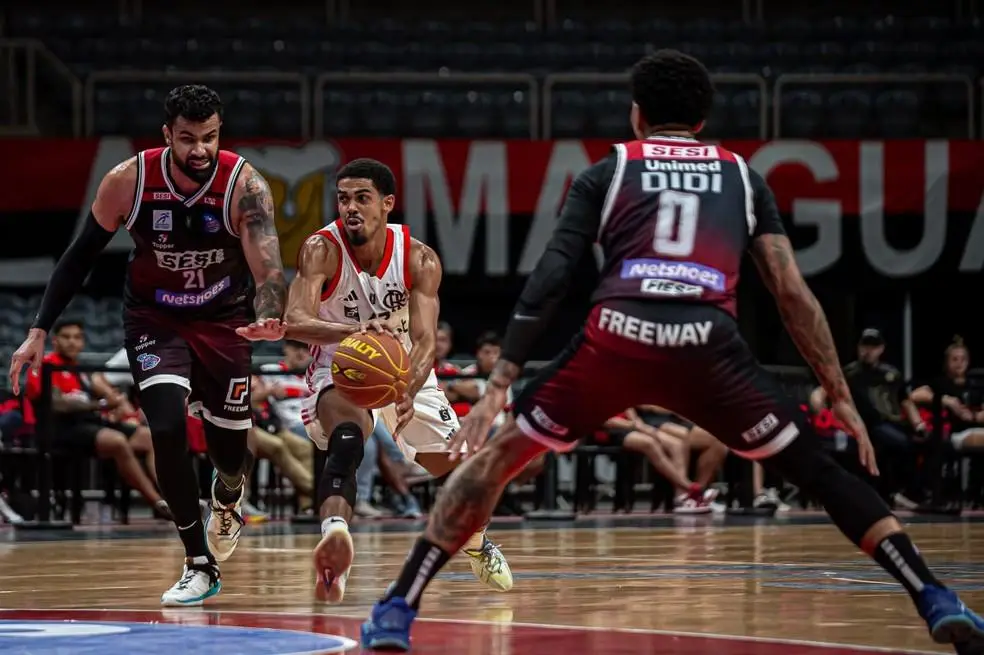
333	560
699	504
490	566
199	581
224	525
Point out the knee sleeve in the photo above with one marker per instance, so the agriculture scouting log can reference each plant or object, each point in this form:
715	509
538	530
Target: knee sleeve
346	448
164	407
853	505
227	450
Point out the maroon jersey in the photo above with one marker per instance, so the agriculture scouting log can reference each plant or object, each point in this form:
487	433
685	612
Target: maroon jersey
188	258
675	224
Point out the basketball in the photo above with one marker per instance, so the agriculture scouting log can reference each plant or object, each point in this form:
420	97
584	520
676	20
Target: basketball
371	370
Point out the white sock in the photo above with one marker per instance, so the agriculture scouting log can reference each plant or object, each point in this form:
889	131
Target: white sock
330	521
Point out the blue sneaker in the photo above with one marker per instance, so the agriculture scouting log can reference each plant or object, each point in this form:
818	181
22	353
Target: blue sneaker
388	627
950	621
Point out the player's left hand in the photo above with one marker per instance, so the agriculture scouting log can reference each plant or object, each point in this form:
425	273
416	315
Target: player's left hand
264	329
475	427
404	413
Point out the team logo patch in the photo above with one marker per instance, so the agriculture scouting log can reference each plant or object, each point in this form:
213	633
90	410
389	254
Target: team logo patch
238	392
163	220
445	414
148	361
210	223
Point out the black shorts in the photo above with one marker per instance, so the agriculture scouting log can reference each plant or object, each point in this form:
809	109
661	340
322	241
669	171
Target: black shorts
78	433
206	357
687	358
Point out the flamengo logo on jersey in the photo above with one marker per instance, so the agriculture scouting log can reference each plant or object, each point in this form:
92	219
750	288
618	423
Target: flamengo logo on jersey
189	259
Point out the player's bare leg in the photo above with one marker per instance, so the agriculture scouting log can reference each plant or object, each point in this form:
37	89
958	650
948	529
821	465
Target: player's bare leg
347	428
487	562
464	506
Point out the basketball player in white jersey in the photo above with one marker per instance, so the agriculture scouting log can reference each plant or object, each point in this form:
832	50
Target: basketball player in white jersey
357	274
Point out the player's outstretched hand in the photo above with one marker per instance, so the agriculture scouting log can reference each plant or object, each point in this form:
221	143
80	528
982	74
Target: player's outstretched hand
845	411
475	427
30	352
264	329
404	413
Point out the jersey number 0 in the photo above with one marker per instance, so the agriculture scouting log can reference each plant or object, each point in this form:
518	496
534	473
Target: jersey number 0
676	223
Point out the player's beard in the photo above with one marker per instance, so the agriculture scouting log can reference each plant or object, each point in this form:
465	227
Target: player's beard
357	239
200	175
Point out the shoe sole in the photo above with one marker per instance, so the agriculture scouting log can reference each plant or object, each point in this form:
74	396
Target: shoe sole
387	642
332	558
959	630
198	602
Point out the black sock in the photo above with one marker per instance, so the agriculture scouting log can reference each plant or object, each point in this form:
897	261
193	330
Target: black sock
898	555
193	538
424	562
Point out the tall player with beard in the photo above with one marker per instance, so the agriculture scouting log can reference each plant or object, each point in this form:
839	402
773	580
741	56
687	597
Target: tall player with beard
361	273
674	217
202	221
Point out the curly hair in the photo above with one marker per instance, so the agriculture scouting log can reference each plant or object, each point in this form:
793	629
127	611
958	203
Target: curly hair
193	102
369	169
672	88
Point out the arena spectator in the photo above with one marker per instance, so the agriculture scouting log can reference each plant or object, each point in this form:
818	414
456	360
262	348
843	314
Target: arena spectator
468	391
955	400
86	415
383	456
291	455
712	452
667	454
285	392
880	394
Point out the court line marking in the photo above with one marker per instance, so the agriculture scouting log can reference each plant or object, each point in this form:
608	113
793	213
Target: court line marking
547	626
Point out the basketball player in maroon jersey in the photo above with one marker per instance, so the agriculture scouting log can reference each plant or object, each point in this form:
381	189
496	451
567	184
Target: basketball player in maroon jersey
674	217
202	221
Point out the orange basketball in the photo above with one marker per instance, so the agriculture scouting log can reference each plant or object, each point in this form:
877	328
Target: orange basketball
371	370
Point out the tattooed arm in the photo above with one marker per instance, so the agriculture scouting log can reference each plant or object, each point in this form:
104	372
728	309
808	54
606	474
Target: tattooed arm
253	215
801	312
425	276
317	263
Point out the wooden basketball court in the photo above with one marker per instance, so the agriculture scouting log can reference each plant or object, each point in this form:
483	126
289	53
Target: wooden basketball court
639	585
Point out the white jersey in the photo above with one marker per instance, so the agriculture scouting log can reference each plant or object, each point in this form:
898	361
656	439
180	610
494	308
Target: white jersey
355	296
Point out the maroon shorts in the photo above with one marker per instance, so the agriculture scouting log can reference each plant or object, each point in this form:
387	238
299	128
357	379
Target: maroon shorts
688	358
206	357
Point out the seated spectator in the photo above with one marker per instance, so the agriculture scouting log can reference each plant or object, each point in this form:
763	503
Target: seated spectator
11	415
285	392
667	455
291	455
712	452
444	367
955	409
879	392
383	455
86	416
956	394
468	391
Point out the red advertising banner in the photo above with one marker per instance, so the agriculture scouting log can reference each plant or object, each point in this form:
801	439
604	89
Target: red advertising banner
451	190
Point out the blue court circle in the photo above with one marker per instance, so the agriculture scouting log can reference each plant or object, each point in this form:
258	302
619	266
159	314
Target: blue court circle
111	638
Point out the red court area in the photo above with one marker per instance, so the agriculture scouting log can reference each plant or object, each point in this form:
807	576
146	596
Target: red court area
458	638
